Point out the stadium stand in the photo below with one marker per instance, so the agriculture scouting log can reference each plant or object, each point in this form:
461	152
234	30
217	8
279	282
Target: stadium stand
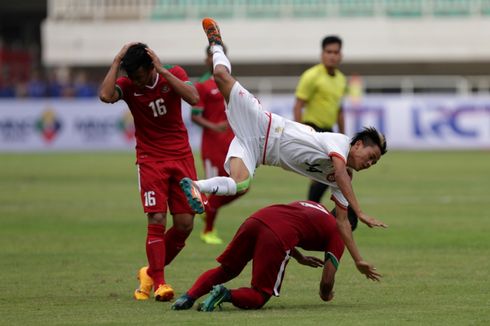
451	58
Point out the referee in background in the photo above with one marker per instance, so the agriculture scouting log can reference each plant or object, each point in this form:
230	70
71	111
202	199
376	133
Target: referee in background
319	98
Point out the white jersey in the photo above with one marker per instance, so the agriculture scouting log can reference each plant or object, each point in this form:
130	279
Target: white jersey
303	150
266	138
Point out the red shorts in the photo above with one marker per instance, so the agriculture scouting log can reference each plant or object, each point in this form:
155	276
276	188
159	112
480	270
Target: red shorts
214	164
254	240
159	185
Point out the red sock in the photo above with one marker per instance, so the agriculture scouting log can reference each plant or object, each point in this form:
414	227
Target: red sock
155	252
214	203
174	243
207	280
248	298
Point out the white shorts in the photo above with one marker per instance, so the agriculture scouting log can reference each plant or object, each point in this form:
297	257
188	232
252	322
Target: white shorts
250	124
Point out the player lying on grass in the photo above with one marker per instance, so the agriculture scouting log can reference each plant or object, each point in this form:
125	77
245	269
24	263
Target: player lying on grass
266	138
269	238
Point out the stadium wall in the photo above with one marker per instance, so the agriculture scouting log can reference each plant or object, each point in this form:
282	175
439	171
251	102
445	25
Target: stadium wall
377	40
409	123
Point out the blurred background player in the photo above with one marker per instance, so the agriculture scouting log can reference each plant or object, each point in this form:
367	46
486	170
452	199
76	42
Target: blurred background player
153	93
269	238
320	91
264	138
217	135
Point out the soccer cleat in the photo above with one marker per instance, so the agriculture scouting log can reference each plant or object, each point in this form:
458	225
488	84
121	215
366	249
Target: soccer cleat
212	31
146	283
217	296
211	237
193	195
164	293
184	302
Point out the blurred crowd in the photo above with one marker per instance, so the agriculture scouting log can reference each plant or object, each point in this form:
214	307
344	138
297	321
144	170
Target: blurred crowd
53	83
23	76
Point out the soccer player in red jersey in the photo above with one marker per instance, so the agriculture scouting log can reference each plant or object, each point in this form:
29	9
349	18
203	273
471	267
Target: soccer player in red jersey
217	135
153	93
269	238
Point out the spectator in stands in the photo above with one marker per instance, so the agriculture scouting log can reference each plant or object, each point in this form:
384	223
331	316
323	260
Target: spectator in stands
36	86
320	91
83	87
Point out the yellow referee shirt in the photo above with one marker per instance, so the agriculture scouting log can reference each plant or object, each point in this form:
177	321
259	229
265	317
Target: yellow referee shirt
323	95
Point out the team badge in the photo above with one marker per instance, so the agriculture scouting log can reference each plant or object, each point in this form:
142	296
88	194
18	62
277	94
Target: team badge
165	89
331	177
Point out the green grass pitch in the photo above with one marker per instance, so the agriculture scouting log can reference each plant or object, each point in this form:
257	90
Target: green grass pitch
72	237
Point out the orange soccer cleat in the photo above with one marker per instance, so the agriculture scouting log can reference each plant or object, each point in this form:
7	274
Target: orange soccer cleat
212	31
164	293
146	283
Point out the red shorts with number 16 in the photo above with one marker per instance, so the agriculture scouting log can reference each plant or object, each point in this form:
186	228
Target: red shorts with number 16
159	185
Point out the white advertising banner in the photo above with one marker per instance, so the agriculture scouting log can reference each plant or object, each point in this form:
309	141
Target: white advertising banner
415	122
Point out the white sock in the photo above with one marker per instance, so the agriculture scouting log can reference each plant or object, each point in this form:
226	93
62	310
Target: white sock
224	186
219	57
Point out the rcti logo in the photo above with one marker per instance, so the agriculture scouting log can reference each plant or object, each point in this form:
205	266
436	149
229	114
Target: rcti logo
126	126
463	121
48	125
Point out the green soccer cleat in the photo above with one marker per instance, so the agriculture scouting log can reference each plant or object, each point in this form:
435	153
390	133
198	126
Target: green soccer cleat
211	237
184	302
193	195
217	296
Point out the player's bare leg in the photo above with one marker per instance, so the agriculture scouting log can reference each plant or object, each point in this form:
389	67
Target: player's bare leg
238	170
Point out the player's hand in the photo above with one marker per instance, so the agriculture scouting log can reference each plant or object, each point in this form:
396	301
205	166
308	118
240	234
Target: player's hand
371	221
123	51
369	270
221	126
327	297
310	261
155	60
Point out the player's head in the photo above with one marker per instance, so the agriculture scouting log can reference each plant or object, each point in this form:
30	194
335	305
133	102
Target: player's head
209	57
367	146
331	51
138	65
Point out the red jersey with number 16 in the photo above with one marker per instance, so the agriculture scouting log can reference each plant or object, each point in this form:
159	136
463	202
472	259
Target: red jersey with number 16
156	109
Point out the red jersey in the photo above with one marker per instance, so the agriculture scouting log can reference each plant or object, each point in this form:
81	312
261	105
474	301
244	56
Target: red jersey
212	107
303	224
156	109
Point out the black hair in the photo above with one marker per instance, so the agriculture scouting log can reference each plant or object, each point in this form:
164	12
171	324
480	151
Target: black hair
208	49
331	39
370	137
136	57
351	215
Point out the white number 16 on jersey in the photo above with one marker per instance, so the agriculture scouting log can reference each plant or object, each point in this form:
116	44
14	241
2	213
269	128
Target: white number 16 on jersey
158	107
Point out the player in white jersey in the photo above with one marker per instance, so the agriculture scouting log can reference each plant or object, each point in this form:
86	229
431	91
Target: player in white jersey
265	138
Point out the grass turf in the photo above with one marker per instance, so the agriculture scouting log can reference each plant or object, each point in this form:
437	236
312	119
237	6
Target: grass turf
72	237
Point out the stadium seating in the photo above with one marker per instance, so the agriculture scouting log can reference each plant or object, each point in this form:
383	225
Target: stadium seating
263	9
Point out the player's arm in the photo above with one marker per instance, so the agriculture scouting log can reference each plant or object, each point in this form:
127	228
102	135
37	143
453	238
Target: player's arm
341	120
186	90
107	92
306	260
327	281
343	180
344	227
298	108
198	119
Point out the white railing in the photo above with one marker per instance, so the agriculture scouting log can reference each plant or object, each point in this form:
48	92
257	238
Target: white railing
404	85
